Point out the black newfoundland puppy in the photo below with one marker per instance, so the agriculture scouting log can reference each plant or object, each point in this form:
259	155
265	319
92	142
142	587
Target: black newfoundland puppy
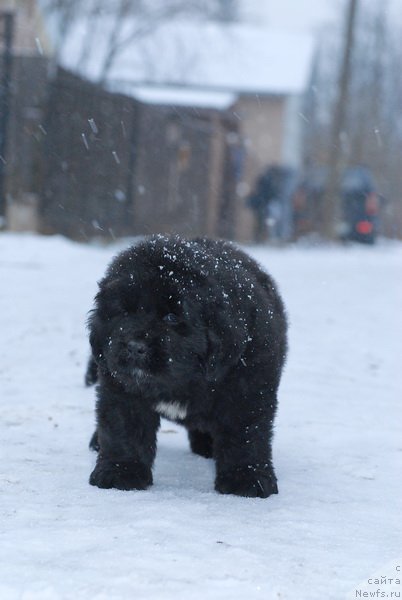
194	331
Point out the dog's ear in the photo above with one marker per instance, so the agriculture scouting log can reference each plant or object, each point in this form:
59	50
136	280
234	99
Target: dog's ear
109	300
108	303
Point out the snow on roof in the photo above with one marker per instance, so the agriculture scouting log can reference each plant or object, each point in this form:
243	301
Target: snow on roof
209	56
178	96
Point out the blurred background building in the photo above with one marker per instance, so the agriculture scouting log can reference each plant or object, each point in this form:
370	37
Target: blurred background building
126	118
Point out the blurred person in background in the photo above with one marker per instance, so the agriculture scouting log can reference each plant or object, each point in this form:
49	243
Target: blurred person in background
271	202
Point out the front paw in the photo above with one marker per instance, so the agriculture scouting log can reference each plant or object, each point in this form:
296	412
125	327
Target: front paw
122	475
249	481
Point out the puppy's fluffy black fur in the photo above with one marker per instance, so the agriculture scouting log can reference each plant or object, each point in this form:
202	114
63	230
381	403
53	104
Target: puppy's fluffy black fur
195	331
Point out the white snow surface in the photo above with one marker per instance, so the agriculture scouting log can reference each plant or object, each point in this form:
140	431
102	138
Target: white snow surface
337	447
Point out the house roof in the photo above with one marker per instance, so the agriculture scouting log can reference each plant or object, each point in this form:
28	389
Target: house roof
178	96
208	56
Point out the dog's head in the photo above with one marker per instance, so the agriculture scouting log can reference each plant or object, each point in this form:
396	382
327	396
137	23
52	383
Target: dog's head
145	329
162	321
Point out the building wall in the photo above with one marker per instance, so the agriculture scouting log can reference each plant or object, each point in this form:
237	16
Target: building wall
28	95
170	195
30	37
293	132
215	177
87	160
179	175
262	126
115	166
26	133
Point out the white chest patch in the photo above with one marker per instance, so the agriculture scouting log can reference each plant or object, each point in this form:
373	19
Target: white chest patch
171	410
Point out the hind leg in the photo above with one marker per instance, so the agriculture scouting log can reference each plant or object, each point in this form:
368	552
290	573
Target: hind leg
200	443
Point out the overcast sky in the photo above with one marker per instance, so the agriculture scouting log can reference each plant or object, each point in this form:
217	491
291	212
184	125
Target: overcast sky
307	15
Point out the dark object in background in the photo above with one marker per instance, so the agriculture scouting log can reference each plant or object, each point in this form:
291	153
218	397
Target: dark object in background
360	204
194	331
271	202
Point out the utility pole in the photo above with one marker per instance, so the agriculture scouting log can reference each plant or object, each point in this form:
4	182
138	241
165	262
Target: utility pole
6	39
332	208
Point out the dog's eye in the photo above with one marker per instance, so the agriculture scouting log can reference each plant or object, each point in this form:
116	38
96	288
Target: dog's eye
171	319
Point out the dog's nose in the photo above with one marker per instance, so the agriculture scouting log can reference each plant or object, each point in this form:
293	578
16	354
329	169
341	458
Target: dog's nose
136	348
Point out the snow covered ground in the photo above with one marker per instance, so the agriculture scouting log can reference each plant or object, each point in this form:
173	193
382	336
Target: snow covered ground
337	449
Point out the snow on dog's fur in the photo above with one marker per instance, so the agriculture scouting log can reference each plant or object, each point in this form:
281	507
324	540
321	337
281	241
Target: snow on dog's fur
195	331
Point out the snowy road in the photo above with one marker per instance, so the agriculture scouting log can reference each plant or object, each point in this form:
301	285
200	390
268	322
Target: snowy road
337	448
